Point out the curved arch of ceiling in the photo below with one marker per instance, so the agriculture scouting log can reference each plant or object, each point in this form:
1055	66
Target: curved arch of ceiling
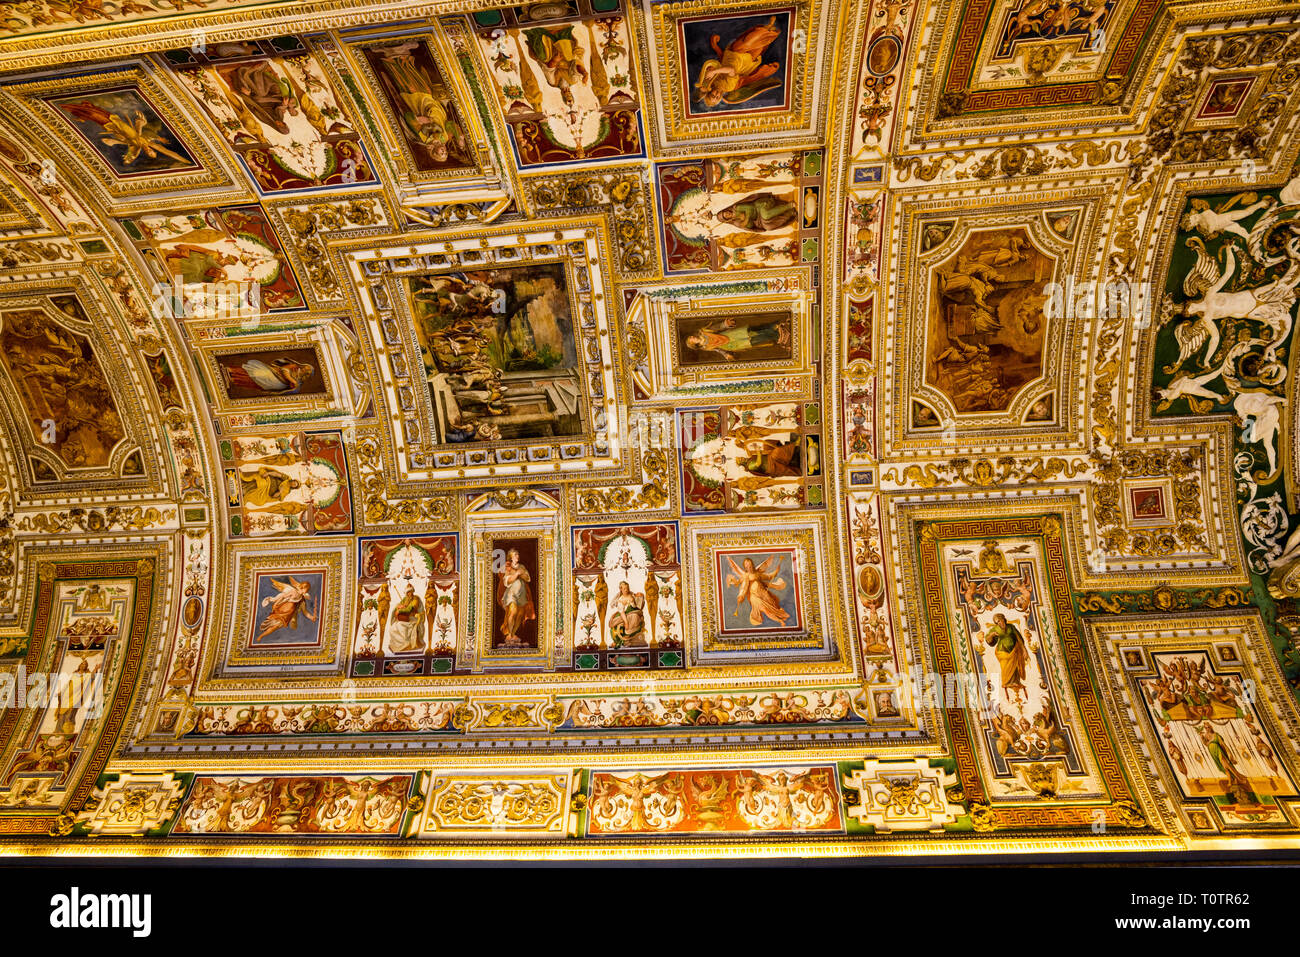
889	410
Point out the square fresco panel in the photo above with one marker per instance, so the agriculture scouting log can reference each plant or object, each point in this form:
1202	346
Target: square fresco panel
1147	503
280	113
124	129
736	63
287	608
1225	98
758	592
565	84
499	351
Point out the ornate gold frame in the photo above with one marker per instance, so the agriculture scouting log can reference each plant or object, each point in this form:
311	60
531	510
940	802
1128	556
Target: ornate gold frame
213	179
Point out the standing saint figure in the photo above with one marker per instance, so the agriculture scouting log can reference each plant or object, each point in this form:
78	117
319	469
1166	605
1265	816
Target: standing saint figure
755	585
1013	656
730	341
406	627
515	599
290	598
1239	788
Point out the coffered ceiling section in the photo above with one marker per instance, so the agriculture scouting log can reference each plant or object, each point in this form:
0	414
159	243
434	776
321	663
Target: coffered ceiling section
616	427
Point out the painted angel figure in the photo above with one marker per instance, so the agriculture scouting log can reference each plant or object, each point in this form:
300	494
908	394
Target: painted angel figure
739	73
755	585
290	598
135	133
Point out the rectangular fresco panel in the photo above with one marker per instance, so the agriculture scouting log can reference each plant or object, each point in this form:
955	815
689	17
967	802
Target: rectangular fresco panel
295	484
422	103
727	340
987	329
409	600
628	610
87	632
275	806
163	380
747	212
499	352
998	590
758	592
214	262
1009	669
751	457
564	82
1211	734
125	130
277	108
517	580
267	373
724	800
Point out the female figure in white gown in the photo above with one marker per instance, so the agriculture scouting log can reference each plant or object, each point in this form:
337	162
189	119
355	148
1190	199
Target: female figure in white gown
515	599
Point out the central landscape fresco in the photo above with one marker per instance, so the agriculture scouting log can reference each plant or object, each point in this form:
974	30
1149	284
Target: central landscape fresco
499	353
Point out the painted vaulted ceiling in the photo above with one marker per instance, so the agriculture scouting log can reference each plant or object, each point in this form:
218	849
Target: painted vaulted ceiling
606	427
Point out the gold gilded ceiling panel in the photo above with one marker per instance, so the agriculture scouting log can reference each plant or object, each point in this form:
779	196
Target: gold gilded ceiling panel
607	428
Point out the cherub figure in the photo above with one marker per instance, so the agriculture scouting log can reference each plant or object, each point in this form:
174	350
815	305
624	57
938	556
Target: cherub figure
755	585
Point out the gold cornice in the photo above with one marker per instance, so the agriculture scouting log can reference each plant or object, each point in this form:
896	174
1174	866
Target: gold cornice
248	21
